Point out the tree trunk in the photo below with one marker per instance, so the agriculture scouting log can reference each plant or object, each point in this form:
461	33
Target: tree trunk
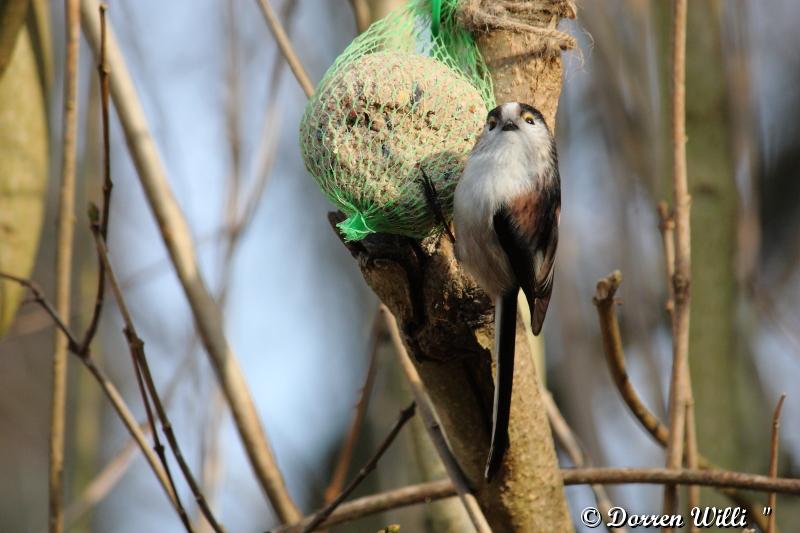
726	388
447	324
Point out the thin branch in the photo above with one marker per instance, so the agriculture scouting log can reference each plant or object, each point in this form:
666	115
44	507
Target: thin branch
108	387
103	74
667	229
773	461
63	268
679	386
38	298
381	502
135	345
143	372
433	427
132	426
99	226
175	233
320	516
436	490
615	358
604	301
666	226
663	476
346	453
569	442
99	487
690	454
285	45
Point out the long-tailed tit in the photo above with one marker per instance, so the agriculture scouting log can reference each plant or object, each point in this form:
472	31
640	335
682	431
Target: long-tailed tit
507	206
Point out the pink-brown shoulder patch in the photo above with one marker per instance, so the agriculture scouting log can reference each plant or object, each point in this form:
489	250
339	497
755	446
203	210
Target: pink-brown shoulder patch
524	213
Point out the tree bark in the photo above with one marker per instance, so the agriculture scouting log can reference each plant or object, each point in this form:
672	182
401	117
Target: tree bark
447	324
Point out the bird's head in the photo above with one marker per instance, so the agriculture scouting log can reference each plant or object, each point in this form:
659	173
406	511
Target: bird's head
517	123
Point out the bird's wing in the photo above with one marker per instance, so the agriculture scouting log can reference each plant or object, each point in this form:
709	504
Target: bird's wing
527	230
517	248
543	280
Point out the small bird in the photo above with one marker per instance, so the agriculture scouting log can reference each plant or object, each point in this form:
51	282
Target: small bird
507	208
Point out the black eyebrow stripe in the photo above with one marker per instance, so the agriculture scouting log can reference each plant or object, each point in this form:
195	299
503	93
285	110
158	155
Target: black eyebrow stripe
494	113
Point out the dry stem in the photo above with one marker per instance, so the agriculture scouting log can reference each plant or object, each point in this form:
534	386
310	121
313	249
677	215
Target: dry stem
773	460
383	501
320	516
615	358
679	386
108	387
435	490
683	476
667	228
99	487
142	370
286	47
63	268
103	73
177	238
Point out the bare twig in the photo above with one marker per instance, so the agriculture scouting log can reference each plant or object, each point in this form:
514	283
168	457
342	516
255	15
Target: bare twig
142	369
177	238
346	453
383	501
108	387
690	453
320	516
667	228
434	429
435	490
102	70
569	442
661	476
773	461
38	298
285	45
679	386
63	268
615	358
136	346
99	487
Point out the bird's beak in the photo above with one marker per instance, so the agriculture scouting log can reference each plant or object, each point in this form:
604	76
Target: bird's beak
510	125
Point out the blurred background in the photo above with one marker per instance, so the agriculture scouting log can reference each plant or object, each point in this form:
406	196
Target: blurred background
225	112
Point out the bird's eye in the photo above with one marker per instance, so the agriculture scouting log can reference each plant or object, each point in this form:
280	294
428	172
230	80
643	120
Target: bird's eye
528	118
492	123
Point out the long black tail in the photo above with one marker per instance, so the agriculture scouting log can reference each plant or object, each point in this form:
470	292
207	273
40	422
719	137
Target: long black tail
505	325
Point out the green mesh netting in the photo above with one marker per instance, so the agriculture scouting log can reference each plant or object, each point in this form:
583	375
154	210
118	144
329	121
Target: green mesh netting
406	100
